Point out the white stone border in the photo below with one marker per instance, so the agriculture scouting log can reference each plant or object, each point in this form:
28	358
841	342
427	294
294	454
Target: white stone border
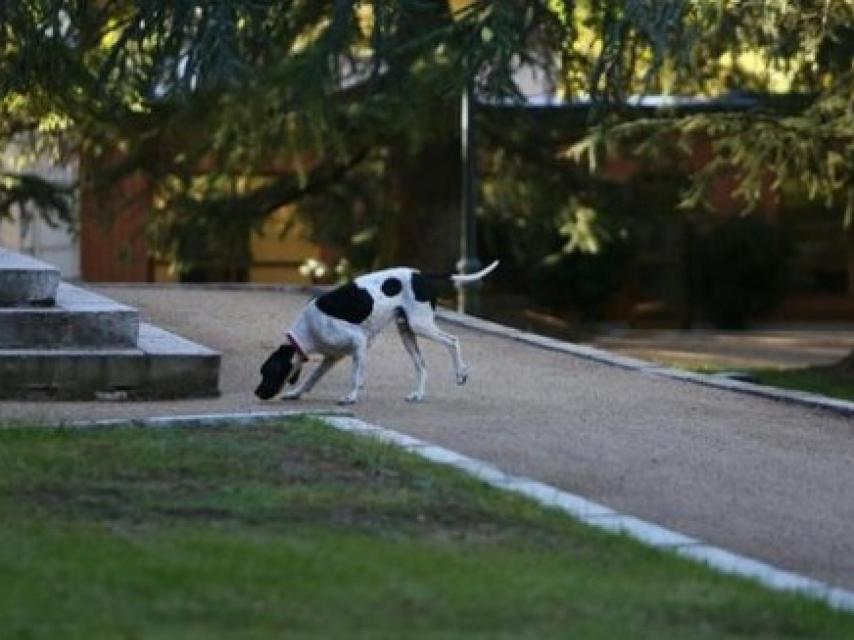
812	400
602	517
205	420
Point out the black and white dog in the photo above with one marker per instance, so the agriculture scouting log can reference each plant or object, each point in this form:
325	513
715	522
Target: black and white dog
345	321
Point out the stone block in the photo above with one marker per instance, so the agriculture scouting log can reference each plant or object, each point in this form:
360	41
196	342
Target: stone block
79	318
162	366
26	281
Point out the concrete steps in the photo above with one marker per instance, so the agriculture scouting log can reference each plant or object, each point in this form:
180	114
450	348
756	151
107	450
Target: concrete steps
58	341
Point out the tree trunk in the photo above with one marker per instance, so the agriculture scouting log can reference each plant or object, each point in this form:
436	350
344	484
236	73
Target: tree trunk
850	259
426	186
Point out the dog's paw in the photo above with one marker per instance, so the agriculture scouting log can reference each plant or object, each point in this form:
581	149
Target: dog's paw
290	395
415	397
350	398
463	375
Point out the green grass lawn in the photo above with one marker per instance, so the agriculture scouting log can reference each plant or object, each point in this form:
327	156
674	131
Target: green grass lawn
298	531
824	380
827	380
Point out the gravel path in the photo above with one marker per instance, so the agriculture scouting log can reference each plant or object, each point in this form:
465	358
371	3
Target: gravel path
765	479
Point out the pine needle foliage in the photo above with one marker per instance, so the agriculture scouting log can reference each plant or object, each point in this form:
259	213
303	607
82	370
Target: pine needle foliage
210	99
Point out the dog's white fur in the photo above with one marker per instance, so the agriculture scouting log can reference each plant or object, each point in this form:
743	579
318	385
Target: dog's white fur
314	331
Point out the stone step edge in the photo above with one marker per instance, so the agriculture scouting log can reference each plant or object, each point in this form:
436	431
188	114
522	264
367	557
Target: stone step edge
162	366
26	280
152	341
95	320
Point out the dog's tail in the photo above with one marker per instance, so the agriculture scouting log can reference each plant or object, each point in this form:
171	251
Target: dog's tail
466	278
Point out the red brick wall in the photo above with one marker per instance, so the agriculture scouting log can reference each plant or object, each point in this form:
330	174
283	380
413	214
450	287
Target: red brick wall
720	194
112	231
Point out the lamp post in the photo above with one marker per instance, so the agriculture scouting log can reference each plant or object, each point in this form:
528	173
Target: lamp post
468	296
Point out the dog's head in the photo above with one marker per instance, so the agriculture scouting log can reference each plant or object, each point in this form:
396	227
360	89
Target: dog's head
283	365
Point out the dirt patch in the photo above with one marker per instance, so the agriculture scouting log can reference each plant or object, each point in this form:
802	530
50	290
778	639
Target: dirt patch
308	465
360	506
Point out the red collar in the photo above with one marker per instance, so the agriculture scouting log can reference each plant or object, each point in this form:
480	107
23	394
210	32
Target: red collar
296	346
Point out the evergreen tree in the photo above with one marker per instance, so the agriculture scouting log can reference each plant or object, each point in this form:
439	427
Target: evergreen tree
341	91
238	87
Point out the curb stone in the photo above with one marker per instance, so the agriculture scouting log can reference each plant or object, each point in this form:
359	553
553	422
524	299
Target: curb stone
205	420
802	398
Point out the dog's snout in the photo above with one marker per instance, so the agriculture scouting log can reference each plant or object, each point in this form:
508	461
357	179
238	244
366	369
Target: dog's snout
264	392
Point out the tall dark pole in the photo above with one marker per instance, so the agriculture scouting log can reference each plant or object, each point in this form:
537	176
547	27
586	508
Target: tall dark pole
468	298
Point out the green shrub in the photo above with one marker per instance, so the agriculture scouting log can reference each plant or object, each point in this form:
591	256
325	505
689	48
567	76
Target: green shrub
583	282
743	270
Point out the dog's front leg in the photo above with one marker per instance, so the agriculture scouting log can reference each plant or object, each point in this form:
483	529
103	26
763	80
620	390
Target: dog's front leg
357	378
313	378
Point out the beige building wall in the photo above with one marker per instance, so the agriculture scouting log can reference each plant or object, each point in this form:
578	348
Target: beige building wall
275	259
29	234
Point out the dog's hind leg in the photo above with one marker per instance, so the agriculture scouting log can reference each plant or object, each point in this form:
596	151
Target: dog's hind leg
410	343
313	378
424	326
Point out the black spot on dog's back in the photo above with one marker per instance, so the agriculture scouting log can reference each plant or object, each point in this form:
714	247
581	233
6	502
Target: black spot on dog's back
350	303
422	289
391	287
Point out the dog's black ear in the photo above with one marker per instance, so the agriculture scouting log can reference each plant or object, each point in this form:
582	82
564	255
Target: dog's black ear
275	371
